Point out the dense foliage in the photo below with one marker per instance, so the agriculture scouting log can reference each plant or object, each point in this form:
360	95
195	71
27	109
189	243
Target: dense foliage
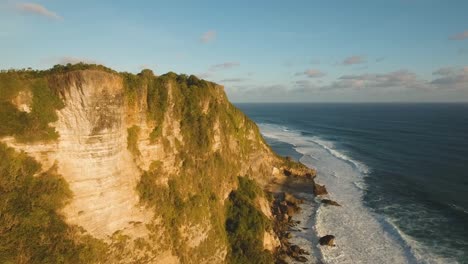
175	205
156	97
246	225
26	126
31	230
193	194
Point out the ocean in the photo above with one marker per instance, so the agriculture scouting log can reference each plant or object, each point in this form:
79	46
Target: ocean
400	172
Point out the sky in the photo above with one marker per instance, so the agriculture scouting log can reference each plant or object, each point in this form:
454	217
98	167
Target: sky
261	51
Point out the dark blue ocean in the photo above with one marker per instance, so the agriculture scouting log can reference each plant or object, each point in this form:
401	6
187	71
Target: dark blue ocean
417	160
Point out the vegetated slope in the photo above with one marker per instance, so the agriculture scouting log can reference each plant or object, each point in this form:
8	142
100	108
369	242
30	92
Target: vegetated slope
127	168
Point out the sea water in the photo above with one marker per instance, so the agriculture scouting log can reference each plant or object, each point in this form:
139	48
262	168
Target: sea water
398	170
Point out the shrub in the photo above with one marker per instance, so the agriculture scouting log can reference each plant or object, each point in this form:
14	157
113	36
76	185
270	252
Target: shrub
245	225
31	229
31	126
132	140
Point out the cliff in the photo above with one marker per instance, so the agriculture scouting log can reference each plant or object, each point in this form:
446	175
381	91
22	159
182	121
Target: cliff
131	168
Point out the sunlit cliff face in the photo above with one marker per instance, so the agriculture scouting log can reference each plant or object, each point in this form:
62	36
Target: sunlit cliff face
109	137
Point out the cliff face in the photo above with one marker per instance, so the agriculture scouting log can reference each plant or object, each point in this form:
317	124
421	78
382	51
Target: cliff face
91	153
149	160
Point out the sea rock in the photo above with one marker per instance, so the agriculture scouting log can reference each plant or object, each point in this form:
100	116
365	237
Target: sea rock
296	249
330	202
301	259
291	210
282	259
290	199
319	189
328	240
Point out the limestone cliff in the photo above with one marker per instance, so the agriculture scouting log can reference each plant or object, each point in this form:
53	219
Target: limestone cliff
149	160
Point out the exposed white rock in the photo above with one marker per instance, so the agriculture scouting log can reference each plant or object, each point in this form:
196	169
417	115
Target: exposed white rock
91	154
23	101
270	241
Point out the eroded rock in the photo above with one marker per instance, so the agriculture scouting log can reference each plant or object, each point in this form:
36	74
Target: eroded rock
328	240
301	259
319	189
330	202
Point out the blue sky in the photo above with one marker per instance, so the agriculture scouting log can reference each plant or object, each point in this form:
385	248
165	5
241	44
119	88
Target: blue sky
298	51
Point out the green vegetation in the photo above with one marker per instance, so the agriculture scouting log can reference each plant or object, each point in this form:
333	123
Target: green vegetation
76	67
132	140
195	125
290	163
191	196
156	97
34	126
246	225
176	206
25	126
157	101
31	230
56	69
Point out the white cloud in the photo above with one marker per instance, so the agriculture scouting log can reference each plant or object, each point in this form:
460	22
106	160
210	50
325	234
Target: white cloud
37	9
208	36
396	79
354	60
444	71
447	78
224	66
451	78
395	84
312	73
460	36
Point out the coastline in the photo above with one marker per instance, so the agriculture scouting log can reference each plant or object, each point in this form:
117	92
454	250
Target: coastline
361	237
303	232
422	209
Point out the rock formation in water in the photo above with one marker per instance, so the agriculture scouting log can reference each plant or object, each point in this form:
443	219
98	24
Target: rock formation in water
319	189
328	240
106	167
330	202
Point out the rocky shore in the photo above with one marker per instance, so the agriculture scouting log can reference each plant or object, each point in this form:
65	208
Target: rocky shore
285	205
297	190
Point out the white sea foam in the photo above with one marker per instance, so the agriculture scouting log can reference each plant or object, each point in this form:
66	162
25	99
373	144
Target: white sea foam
330	148
361	236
